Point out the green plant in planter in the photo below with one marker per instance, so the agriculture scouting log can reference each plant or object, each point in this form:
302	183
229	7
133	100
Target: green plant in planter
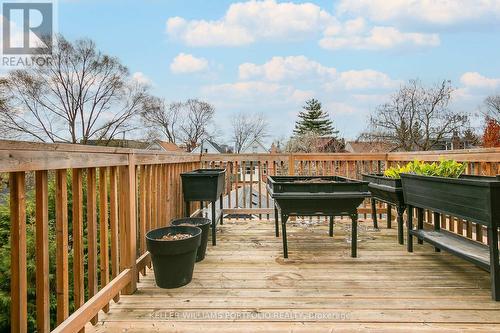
445	168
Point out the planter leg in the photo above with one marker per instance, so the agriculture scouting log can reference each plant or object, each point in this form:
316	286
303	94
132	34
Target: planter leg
437	227
400	211
374	214
354	235
276	223
284	218
221	212
409	225
331	226
214	241
420	221
389	216
186	205
494	265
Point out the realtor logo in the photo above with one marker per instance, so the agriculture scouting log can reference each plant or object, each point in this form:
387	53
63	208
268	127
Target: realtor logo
27	28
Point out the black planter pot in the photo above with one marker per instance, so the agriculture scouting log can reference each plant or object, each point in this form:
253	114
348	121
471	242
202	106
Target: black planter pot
204	225
203	184
173	261
390	191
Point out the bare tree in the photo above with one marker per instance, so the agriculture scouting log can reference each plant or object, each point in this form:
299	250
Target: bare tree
82	94
416	117
158	116
493	107
197	117
247	128
314	143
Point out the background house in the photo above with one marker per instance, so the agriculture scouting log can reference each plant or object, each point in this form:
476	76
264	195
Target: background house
164	146
369	147
211	147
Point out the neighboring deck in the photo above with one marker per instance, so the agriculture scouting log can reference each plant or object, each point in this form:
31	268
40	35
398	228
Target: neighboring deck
245	285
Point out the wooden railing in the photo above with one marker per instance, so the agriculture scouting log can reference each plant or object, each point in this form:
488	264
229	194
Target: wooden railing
246	169
104	200
107	194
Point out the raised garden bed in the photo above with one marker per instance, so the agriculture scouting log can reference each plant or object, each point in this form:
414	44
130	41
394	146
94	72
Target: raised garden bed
205	185
316	195
472	198
390	191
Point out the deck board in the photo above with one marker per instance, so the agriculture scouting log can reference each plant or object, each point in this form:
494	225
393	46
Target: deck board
245	285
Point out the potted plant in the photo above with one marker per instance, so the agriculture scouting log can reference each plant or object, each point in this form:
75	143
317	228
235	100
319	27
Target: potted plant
173	252
202	223
442	188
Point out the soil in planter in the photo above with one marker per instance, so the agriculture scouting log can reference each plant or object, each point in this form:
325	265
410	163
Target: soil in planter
174	237
314	181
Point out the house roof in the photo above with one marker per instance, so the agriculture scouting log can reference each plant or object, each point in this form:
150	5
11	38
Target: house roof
369	147
251	143
216	146
169	146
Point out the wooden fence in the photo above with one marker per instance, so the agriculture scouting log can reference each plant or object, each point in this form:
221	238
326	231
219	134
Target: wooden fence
106	199
117	195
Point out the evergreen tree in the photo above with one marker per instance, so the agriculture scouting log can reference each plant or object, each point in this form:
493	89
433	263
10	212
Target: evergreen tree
314	120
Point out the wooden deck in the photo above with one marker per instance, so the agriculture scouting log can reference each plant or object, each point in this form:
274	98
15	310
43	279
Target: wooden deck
245	285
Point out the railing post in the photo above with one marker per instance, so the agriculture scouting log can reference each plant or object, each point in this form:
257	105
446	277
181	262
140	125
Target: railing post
291	165
128	191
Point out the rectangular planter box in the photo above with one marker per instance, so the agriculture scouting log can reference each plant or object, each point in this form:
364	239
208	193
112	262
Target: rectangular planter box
390	191
307	184
320	195
203	184
385	189
472	198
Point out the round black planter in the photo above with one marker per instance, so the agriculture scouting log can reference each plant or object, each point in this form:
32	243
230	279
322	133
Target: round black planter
202	223
173	261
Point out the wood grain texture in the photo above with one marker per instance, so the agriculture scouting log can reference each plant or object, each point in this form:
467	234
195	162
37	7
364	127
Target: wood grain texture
244	285
62	269
77	192
42	252
18	293
103	229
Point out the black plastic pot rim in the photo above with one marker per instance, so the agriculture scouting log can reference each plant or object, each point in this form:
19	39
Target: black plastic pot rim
473	180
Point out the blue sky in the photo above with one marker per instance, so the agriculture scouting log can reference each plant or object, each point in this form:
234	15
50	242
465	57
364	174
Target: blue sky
270	56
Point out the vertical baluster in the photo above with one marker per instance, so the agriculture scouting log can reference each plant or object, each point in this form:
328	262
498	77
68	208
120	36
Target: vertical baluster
78	273
18	285
62	279
42	252
92	235
103	230
113	224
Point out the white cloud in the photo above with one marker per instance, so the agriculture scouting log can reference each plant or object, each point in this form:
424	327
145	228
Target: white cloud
354	36
281	68
187	63
476	80
337	108
141	78
366	79
438	12
257	91
245	22
296	69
